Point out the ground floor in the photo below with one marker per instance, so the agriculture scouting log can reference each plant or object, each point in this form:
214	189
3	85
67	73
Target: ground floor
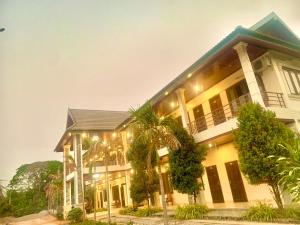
224	186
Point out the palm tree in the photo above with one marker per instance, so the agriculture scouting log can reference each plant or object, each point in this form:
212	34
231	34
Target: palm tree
155	133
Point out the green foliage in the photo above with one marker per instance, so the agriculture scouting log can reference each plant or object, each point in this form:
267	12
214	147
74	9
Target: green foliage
261	213
142	212
5	207
144	181
92	222
189	212
75	215
290	212
290	175
259	135
89	195
185	162
127	211
34	186
59	215
141	186
145	212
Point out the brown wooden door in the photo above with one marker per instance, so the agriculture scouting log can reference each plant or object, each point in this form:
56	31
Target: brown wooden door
236	182
214	184
123	195
200	121
217	111
101	200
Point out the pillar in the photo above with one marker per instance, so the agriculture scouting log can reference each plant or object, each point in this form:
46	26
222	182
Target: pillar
78	176
182	107
241	49
128	200
65	173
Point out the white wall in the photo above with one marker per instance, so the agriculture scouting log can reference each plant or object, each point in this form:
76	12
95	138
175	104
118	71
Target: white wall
219	156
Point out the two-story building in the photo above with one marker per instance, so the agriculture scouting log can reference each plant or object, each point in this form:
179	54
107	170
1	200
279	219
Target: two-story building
259	64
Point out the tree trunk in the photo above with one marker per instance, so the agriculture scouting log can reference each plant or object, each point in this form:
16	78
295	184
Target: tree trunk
195	197
162	192
277	196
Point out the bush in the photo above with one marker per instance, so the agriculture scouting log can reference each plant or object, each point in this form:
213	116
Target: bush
261	212
128	211
92	222
145	212
101	210
188	212
291	212
5	208
75	215
59	215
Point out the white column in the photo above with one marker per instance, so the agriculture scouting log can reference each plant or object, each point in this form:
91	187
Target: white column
182	107
127	190
75	172
241	49
65	173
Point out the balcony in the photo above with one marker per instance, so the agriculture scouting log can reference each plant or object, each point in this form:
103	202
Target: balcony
273	99
219	115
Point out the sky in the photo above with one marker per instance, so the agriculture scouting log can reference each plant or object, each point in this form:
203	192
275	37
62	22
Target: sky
96	54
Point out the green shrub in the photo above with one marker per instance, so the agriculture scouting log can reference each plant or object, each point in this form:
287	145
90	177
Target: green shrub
291	212
145	212
92	222
261	212
5	208
128	211
188	212
101	209
75	215
59	215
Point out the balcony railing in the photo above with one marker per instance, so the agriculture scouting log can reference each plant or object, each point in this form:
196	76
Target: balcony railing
273	99
219	115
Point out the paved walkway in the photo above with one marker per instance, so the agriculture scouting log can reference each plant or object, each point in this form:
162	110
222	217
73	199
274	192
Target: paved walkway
159	221
34	219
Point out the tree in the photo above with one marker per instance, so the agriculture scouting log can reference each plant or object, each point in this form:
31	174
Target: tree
259	135
290	175
185	163
27	188
143	186
155	133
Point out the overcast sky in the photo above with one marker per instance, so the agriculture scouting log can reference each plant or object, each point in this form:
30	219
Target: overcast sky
95	54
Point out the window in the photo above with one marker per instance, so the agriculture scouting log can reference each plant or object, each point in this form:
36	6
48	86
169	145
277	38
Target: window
292	78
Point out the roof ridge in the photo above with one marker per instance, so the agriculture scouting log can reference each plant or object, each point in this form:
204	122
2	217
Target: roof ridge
102	110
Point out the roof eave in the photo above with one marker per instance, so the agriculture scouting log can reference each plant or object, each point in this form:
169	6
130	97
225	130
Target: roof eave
239	34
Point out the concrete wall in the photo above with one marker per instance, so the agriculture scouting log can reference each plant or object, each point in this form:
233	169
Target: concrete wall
218	156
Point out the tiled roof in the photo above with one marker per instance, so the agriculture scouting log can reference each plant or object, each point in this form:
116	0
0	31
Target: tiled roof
82	119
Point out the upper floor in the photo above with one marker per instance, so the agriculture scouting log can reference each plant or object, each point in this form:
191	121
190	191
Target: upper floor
247	66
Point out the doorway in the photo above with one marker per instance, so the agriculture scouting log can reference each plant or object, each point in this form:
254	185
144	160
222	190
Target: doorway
214	184
199	118
123	195
217	111
236	182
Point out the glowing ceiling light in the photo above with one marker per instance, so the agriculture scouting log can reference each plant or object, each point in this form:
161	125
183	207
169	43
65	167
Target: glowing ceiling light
114	134
95	138
210	145
198	88
83	135
189	75
172	104
166	93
